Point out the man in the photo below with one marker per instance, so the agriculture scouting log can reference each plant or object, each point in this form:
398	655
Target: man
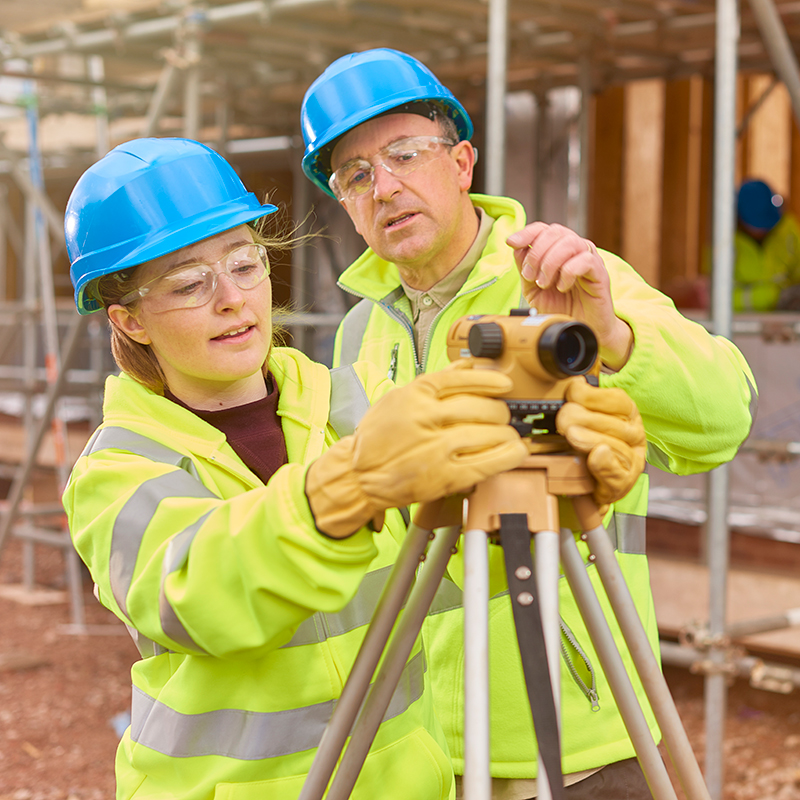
391	143
767	242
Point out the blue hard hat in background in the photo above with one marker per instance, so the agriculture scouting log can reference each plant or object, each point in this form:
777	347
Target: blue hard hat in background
758	206
358	87
144	199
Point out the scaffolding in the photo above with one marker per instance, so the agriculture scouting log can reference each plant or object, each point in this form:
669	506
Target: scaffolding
233	74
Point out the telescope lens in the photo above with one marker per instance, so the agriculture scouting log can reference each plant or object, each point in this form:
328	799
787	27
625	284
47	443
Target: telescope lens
568	348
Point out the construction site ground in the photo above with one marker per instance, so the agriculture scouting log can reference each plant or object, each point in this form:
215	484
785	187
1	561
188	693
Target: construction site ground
62	695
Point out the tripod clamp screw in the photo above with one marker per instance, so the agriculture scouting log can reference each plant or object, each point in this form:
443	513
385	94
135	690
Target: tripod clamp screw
524	598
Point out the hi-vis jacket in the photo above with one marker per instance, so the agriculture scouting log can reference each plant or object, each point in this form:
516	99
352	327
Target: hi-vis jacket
247	618
696	396
762	271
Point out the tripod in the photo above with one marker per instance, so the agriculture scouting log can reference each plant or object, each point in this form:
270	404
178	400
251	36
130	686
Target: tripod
511	504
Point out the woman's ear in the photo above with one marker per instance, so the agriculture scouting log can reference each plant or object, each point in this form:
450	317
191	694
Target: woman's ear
123	320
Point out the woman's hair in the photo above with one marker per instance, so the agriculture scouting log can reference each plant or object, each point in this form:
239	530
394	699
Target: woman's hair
138	360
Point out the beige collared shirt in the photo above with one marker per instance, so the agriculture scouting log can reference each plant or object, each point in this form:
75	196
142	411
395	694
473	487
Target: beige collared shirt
425	305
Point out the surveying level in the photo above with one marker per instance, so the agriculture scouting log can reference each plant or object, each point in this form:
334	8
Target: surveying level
541	353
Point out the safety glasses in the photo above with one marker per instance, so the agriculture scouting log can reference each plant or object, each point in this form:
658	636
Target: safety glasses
194	285
400	158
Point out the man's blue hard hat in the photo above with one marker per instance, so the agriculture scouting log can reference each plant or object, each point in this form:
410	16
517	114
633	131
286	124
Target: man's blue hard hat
144	199
758	206
358	87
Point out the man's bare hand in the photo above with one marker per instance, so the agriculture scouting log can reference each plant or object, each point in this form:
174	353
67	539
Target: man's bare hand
562	273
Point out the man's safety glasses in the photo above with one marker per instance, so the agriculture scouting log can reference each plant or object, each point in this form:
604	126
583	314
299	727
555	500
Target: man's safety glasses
400	158
193	285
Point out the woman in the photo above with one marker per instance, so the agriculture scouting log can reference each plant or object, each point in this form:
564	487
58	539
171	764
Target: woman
223	518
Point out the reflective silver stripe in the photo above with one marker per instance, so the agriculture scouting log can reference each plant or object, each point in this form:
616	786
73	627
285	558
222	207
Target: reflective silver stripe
628	533
349	400
753	400
174	559
448	596
115	438
250	735
146	647
657	457
133	519
353	327
356	613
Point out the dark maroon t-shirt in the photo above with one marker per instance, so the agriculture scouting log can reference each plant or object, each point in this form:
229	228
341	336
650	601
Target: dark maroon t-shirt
252	430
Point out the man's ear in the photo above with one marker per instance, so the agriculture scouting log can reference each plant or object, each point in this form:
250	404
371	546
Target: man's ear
123	320
464	155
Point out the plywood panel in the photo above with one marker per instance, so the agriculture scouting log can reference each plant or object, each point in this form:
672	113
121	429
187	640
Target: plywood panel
768	153
641	217
605	179
681	190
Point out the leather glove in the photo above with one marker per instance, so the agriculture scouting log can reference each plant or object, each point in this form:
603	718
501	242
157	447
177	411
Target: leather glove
605	425
439	435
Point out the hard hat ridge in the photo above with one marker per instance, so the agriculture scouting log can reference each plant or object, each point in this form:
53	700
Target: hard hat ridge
144	199
360	86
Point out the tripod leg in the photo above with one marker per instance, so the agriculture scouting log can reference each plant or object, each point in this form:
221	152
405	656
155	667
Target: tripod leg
380	627
477	778
547	570
516	543
677	743
394	662
646	751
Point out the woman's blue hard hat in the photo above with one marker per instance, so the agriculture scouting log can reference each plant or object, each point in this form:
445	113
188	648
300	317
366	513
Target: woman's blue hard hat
357	87
758	206
144	199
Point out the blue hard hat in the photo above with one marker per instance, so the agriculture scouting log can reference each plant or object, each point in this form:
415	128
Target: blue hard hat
758	206
144	199
358	87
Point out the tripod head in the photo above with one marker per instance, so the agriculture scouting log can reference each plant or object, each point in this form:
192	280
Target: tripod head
540	353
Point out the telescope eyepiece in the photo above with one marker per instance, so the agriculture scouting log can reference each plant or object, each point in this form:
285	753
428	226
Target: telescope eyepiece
567	349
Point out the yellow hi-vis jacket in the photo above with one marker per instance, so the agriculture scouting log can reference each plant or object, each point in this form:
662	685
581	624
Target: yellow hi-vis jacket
762	271
697	397
247	618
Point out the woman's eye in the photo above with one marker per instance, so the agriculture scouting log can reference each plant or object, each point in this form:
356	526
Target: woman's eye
186	284
245	269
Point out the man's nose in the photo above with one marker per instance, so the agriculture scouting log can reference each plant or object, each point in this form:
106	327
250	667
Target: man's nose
385	184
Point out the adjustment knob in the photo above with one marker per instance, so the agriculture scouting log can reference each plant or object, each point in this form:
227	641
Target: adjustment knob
486	340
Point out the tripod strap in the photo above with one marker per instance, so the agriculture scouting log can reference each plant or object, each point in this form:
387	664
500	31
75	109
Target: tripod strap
515	539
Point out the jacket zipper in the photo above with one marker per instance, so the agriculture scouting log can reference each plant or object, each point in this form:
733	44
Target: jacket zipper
589	691
436	318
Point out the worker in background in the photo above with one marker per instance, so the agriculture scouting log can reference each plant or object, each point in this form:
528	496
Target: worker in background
229	514
767	251
392	144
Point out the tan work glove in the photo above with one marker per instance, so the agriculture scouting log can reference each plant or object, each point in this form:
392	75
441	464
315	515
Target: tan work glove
439	435
605	425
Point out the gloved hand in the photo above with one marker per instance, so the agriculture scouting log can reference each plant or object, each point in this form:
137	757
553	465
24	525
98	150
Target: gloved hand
439	435
605	425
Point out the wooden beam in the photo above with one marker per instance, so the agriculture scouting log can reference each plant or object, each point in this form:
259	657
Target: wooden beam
642	176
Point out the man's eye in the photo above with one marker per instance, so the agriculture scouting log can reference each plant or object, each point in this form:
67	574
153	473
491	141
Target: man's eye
358	177
405	156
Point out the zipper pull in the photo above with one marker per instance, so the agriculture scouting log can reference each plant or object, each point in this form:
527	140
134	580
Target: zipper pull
594	700
392	373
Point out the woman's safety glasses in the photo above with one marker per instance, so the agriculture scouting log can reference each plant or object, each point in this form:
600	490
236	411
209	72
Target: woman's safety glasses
194	285
400	158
